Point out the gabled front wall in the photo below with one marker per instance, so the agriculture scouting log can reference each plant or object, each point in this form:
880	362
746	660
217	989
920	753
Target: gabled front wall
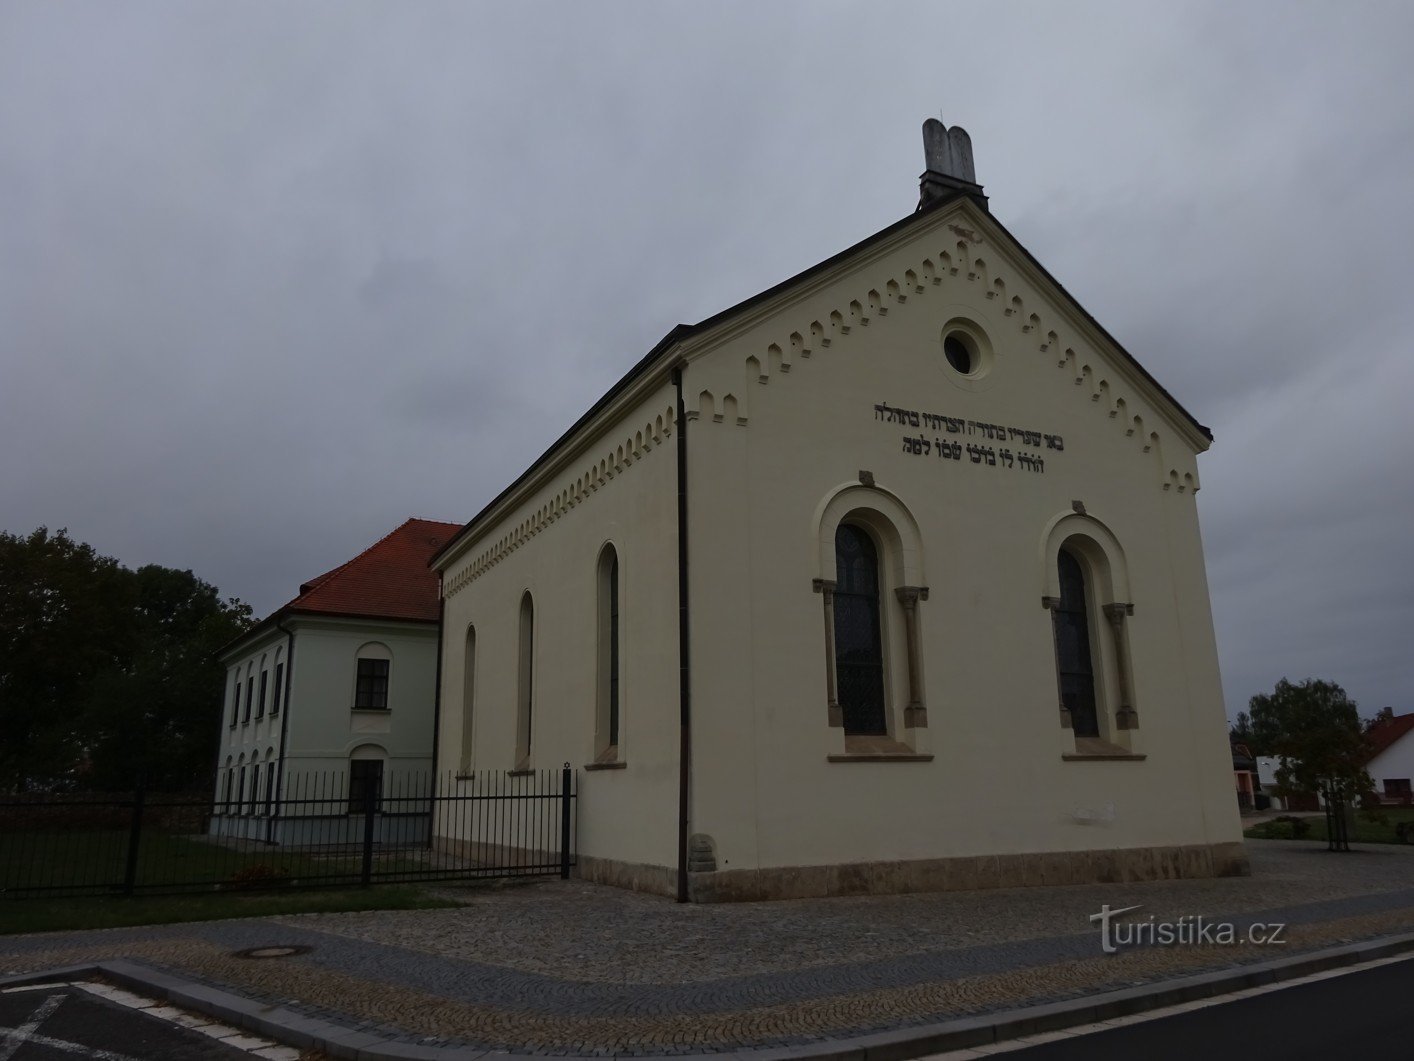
785	416
324	728
1394	763
620	489
317	726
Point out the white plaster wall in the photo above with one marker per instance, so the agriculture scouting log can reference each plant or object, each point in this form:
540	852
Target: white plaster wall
627	814
1396	761
764	458
762	785
322	729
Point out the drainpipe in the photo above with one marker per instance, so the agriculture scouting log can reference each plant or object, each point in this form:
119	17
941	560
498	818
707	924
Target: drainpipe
684	668
436	705
284	729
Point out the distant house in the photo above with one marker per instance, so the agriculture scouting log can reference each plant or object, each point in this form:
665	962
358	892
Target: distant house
1391	761
334	693
1244	769
1267	780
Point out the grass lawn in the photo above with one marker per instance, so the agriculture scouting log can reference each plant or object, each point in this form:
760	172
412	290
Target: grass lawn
96	860
52	915
1362	830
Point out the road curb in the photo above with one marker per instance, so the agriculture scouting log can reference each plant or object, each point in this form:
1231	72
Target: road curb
355	1044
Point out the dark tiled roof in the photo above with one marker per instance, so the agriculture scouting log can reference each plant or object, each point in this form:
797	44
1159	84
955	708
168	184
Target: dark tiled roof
388	580
1383	734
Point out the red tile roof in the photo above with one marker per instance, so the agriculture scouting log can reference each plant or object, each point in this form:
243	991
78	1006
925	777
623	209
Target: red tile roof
388	580
1383	734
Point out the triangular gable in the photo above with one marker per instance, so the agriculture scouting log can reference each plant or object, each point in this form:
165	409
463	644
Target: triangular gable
950	262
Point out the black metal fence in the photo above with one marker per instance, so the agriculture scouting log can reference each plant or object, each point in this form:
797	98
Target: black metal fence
324	830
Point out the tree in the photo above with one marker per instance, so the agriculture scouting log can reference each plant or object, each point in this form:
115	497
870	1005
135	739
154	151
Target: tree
63	618
107	675
1314	730
155	718
1241	732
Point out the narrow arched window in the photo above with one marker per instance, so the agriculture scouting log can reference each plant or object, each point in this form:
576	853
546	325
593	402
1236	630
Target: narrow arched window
525	690
468	695
609	700
859	657
1075	662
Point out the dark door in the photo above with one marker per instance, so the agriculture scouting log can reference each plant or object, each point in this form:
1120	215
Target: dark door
859	660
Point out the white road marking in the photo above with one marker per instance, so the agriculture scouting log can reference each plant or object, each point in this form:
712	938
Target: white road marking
17	1037
1010	1045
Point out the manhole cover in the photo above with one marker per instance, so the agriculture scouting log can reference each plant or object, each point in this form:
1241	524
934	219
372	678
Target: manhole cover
276	951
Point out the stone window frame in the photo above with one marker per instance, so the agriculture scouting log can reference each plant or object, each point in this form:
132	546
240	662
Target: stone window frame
1109	607
902	586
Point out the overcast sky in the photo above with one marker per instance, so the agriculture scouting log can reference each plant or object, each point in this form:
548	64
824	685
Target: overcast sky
274	277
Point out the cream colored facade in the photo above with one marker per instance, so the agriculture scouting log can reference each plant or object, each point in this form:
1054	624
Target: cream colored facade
830	400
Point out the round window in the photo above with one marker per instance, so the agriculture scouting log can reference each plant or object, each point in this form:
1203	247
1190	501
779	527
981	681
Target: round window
960	354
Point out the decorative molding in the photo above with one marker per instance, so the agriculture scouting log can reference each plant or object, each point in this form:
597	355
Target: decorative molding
592	477
959	264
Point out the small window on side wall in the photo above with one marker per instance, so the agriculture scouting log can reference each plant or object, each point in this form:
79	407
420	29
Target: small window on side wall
609	697
525	682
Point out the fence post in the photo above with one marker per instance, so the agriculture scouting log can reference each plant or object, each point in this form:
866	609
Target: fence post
565	822
369	803
134	836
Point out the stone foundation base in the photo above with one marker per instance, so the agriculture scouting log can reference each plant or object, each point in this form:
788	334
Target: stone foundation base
929	875
636	876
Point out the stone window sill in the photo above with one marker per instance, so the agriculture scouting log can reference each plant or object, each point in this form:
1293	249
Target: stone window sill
520	771
612	764
871	749
1097	749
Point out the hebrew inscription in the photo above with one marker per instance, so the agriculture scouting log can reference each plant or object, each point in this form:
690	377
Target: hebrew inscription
983	452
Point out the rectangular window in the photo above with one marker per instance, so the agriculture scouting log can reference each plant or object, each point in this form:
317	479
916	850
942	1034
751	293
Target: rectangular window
249	698
279	688
260	704
235	703
372	692
1397	788
365	782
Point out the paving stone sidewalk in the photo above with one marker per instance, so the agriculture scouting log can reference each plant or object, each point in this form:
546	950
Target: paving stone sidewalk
572	968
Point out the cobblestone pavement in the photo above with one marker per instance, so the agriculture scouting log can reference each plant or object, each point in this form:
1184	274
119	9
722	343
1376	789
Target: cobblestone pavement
568	967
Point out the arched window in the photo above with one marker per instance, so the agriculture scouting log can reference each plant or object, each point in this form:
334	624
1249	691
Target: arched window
859	657
609	697
468	695
525	684
365	778
269	780
240	787
230	782
279	691
1075	661
371	678
254	806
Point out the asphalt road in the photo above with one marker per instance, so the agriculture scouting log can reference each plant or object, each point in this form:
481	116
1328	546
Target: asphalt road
1368	1014
64	1023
